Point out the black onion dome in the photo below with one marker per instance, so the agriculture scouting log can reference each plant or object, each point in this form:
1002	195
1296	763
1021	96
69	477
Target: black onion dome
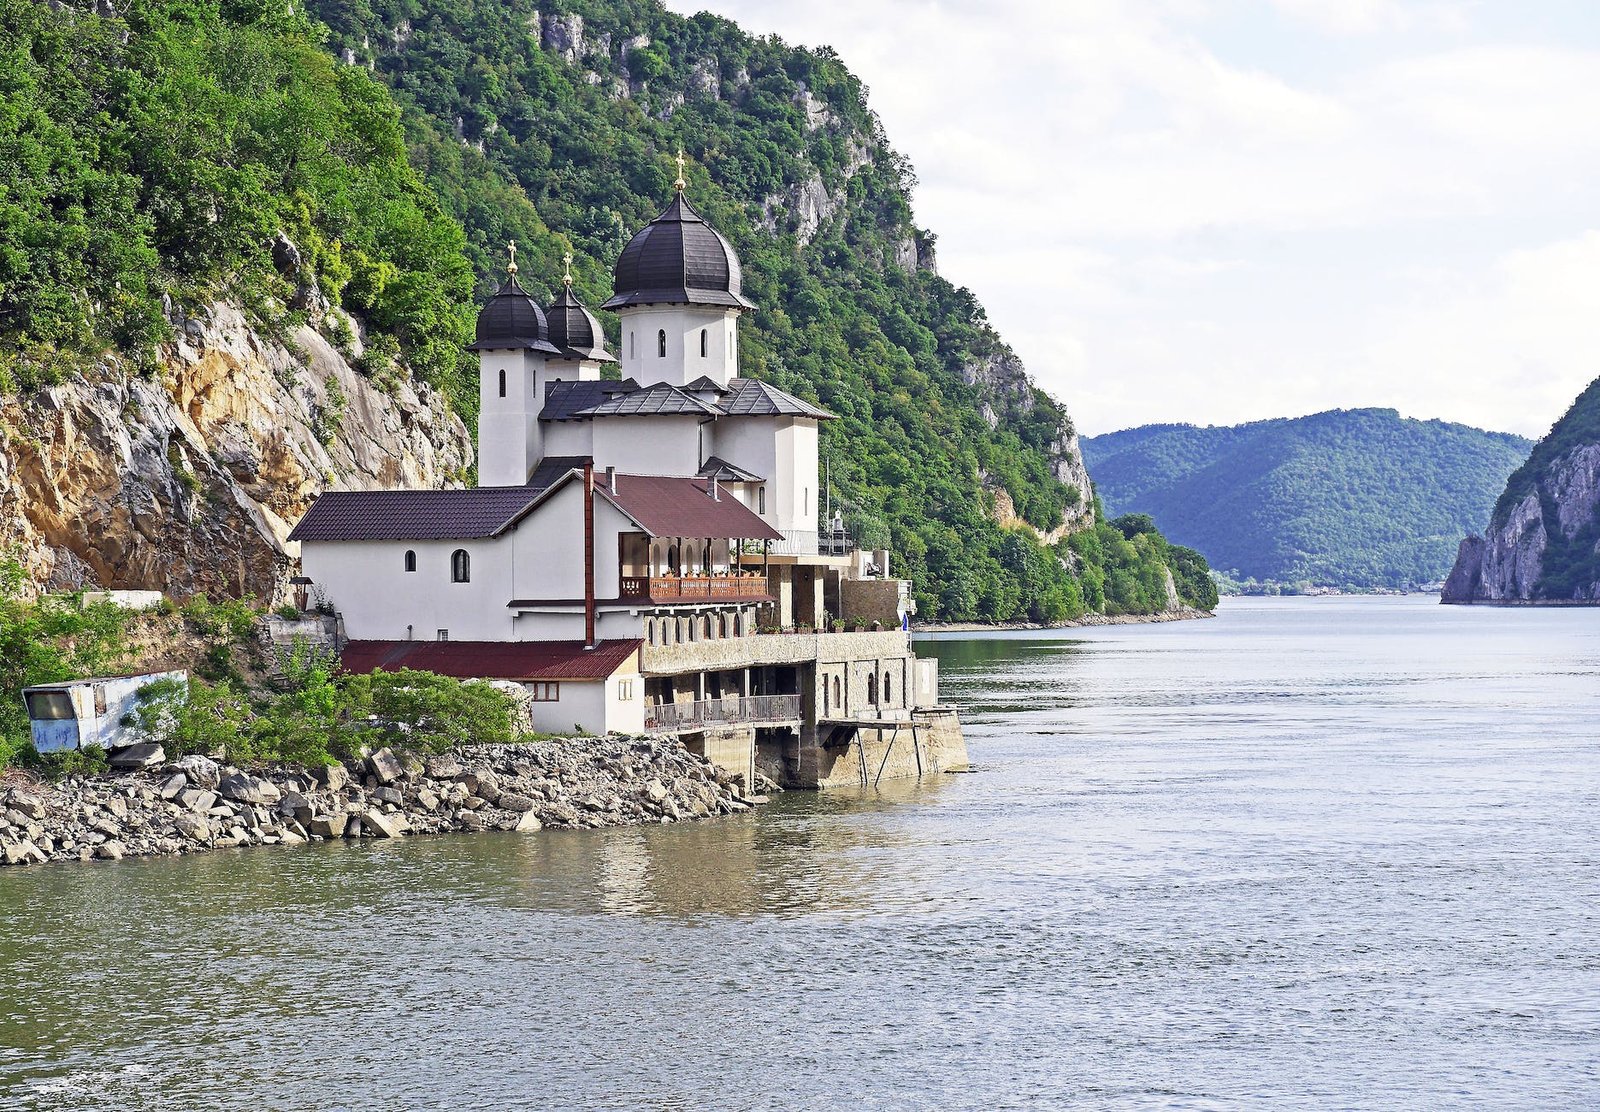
511	319
574	329
678	259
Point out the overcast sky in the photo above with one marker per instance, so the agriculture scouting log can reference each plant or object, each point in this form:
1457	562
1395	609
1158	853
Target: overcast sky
1215	211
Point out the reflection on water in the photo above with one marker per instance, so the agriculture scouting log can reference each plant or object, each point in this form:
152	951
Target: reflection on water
1314	852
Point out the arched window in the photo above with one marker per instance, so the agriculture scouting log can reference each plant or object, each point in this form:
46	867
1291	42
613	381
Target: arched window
650	631
872	688
838	693
502	384
703	343
672	558
460	566
411	560
633	346
886	696
661	344
824	698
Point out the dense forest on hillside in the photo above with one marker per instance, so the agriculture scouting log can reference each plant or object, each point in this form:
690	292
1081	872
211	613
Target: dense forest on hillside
1348	498
378	160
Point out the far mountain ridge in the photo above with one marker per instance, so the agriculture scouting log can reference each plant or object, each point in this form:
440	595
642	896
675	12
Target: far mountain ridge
1344	498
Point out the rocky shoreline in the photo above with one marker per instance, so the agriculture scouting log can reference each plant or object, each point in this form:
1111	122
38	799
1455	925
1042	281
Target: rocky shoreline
196	804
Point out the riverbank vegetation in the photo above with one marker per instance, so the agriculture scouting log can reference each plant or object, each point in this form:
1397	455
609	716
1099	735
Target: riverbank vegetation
242	702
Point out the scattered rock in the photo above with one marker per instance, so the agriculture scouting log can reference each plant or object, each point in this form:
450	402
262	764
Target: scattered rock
384	826
110	851
333	777
244	788
329	826
201	771
147	754
386	766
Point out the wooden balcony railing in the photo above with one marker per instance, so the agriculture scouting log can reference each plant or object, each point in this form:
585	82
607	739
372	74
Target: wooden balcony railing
692	588
732	710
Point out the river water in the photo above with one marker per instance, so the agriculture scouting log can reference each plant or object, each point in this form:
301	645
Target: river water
1329	853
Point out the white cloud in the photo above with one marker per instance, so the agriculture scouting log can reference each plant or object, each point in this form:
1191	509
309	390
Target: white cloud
1186	210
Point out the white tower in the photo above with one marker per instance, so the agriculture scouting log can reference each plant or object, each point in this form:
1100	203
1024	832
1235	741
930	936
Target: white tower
513	343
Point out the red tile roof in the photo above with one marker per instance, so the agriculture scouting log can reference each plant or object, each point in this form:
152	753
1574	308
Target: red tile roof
492	660
672	507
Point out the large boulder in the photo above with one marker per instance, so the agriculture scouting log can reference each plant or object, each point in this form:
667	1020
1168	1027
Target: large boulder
241	787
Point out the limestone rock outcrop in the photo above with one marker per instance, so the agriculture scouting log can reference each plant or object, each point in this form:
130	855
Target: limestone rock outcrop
1543	542
190	480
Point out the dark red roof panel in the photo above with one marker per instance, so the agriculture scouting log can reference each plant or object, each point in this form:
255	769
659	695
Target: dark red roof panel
492	660
672	507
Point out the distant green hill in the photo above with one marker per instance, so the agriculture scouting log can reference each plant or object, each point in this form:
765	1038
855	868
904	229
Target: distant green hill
1355	498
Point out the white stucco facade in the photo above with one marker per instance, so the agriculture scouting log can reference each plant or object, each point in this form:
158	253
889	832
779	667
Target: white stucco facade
687	331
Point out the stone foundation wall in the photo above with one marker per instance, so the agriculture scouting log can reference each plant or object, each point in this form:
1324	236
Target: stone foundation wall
871	756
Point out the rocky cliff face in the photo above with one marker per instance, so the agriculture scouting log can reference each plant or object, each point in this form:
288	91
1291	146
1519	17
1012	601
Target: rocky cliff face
1009	394
1543	543
191	481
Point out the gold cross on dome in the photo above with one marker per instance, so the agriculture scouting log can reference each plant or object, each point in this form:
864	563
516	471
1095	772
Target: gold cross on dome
511	267
566	262
680	184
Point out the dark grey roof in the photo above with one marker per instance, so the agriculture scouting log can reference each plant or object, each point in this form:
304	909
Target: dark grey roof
705	383
575	330
661	399
678	259
565	401
552	468
413	515
727	472
512	320
749	398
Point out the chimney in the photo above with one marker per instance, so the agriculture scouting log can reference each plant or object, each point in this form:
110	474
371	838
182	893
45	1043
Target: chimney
716	489
588	554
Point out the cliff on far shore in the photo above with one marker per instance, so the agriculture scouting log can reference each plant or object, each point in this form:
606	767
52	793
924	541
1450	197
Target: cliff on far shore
1543	542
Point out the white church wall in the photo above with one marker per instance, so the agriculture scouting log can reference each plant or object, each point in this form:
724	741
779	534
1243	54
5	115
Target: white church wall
367	583
648	445
548	549
568	438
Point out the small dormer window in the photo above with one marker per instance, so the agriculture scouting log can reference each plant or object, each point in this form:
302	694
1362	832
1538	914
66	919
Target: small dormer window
411	560
661	344
502	384
704	342
460	566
